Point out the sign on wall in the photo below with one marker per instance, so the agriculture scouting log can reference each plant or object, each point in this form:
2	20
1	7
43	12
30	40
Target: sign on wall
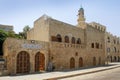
31	46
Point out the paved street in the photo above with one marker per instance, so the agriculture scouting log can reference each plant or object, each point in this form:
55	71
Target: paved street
113	74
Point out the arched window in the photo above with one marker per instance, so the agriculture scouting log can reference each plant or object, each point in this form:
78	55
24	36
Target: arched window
115	49
97	45
108	39
73	40
92	45
59	39
114	41
66	39
78	41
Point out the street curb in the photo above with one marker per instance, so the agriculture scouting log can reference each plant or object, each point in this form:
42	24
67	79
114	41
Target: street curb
55	78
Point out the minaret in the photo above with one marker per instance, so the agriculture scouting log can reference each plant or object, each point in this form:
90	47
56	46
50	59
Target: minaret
81	19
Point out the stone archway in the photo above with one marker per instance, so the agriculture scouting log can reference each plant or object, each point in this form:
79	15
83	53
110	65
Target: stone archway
23	62
39	62
94	61
80	62
72	63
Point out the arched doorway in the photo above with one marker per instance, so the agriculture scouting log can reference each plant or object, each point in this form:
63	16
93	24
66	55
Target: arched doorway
115	59
99	60
94	61
39	62
72	63
80	62
111	58
118	58
23	62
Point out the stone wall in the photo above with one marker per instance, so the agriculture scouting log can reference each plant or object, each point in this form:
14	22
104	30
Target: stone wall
12	47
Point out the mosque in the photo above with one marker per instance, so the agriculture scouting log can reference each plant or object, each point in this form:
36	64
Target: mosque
55	45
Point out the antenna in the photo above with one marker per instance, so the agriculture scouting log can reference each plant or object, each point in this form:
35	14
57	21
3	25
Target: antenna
81	3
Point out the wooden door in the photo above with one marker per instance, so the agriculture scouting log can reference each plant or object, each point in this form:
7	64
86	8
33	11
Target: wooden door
39	62
72	63
94	61
23	62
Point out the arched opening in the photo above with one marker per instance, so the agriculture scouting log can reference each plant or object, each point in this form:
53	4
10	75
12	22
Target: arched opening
92	45
23	62
118	58
94	61
97	45
39	62
78	41
72	63
115	59
80	62
66	39
59	39
111	58
115	49
114	41
73	40
99	60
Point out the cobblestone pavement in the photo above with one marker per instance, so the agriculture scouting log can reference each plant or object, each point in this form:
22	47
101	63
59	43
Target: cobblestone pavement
113	74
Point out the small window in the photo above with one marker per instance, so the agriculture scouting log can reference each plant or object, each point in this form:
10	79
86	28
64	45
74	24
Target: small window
97	45
76	54
108	39
92	45
78	41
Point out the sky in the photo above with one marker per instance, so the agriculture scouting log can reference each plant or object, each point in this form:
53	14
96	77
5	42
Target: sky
20	13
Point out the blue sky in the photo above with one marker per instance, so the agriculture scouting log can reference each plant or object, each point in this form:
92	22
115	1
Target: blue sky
24	12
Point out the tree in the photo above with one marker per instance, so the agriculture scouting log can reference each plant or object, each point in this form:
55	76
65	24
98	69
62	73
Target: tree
24	33
3	36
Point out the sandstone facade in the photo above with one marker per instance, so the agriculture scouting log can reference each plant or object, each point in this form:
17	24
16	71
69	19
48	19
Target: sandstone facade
55	45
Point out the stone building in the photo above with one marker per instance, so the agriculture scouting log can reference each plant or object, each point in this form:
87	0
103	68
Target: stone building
56	45
6	27
25	56
112	47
